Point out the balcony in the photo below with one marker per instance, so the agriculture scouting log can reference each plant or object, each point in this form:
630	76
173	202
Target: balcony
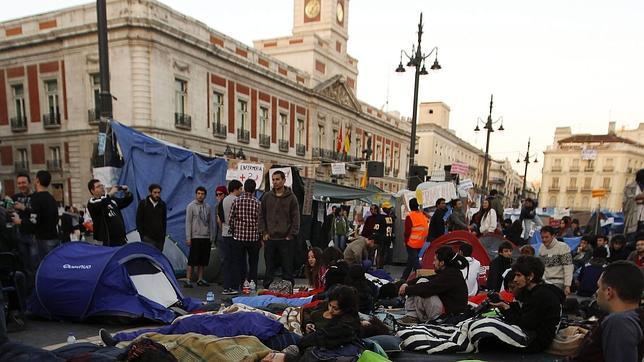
572	189
54	165
553	188
396	171
326	154
21	166
219	130
589	169
574	168
51	120
19	124
264	140
93	117
387	171
555	169
608	169
182	121
586	188
300	150
243	135
283	145
315	152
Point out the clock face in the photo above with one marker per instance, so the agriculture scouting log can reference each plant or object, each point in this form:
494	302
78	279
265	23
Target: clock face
339	12
312	8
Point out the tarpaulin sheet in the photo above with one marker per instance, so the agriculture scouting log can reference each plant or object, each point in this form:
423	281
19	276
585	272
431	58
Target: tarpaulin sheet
178	170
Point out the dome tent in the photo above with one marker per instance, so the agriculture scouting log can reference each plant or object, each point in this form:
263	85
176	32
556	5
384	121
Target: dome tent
79	280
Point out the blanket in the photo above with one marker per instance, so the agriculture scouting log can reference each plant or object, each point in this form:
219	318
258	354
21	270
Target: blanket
308	293
195	347
462	337
262	301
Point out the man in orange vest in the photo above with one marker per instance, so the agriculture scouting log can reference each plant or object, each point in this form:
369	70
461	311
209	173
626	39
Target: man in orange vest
416	230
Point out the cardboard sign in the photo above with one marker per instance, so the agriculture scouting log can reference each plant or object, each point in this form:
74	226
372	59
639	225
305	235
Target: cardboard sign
466	184
245	171
307	206
459	168
287	173
338	168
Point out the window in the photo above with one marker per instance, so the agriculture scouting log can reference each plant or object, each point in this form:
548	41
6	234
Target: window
54	162
557	164
23	157
51	94
553	201
18	93
396	159
217	108
95	80
180	96
242	113
585	202
263	121
334	140
575	164
587	182
573	182
320	136
606	183
379	152
555	182
358	147
54	153
387	155
300	131
283	126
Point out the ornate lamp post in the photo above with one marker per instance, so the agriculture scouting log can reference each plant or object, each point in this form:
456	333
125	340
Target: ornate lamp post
527	162
488	125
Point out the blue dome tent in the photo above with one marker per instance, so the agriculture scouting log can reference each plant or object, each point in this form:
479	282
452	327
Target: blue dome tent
79	280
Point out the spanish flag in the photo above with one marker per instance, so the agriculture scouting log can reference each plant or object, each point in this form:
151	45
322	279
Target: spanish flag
364	182
347	141
338	142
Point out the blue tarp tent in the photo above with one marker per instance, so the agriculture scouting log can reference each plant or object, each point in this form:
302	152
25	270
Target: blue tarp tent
78	280
178	170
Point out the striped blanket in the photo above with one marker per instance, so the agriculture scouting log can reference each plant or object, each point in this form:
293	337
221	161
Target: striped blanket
461	338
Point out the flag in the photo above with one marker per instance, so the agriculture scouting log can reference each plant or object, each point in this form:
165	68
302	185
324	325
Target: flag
365	180
338	142
347	141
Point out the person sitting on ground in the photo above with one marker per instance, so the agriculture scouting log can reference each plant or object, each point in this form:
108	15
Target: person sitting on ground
443	292
557	258
618	249
601	241
590	273
527	250
498	266
514	232
471	273
366	290
574	225
539	312
617	336
637	255
565	228
583	253
358	252
331	255
315	268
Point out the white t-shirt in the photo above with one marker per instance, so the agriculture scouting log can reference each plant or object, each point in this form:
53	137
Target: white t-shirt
471	275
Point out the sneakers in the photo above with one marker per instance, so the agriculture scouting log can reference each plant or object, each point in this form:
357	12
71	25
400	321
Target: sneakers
229	291
107	338
203	283
188	284
408	321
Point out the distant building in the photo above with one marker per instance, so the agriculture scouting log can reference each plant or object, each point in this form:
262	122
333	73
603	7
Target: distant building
576	164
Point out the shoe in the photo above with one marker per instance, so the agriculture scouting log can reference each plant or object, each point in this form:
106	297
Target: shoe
107	338
229	291
203	283
407	321
188	284
292	350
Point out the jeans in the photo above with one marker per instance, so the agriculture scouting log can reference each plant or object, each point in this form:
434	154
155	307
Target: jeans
29	254
249	259
384	253
412	262
282	251
340	241
231	263
45	246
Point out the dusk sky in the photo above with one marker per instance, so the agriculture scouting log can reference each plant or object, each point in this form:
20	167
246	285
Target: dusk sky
549	63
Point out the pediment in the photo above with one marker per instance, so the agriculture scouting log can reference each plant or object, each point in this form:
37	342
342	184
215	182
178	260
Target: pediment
336	89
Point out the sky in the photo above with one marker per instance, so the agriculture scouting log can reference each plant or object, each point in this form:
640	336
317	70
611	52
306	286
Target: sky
549	63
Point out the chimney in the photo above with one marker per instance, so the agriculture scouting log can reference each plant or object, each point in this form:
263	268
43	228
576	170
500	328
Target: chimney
611	127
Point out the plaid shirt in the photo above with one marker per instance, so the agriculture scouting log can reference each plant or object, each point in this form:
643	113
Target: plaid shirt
244	218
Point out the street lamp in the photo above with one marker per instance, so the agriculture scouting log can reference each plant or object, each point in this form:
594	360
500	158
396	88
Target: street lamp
416	60
525	172
489	126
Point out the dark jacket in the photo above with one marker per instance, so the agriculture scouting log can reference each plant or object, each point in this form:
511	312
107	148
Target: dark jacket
151	221
589	275
107	219
280	216
337	332
448	284
495	276
538	315
437	224
457	220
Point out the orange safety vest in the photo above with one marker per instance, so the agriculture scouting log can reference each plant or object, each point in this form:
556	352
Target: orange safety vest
419	229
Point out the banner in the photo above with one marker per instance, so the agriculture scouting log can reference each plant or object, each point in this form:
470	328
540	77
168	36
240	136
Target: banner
245	171
459	168
338	168
309	185
287	173
466	184
588	154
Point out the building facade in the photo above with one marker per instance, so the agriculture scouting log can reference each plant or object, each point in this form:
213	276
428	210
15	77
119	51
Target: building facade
176	79
576	164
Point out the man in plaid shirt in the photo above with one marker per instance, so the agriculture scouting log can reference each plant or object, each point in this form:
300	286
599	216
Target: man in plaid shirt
244	224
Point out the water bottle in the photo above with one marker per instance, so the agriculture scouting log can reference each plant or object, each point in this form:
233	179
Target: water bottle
210	297
70	338
246	288
253	288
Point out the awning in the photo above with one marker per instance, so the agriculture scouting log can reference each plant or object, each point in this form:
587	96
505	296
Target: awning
330	192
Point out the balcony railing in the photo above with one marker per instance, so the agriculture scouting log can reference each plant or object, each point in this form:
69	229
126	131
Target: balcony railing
589	168
183	121
265	140
586	189
219	130
574	168
21	166
556	169
315	152
243	135
51	120
300	150
283	145
54	165
93	117
19	124
571	189
553	189
608	168
327	154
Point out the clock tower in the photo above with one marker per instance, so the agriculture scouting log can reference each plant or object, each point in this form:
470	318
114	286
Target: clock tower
319	41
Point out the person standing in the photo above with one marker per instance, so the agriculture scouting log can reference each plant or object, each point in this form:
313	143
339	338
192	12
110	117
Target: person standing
152	217
437	222
384	236
633	206
370	221
497	204
488	218
200	231
557	258
531	222
230	250
67	225
43	216
457	220
471	273
244	223
279	225
340	229
416	230
105	210
27	245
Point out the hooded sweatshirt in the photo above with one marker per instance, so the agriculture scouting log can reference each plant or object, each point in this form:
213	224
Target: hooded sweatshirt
280	216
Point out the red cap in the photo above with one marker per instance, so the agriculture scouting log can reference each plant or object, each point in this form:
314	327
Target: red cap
222	189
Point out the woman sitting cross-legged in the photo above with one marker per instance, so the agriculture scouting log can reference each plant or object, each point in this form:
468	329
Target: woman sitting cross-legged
442	293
